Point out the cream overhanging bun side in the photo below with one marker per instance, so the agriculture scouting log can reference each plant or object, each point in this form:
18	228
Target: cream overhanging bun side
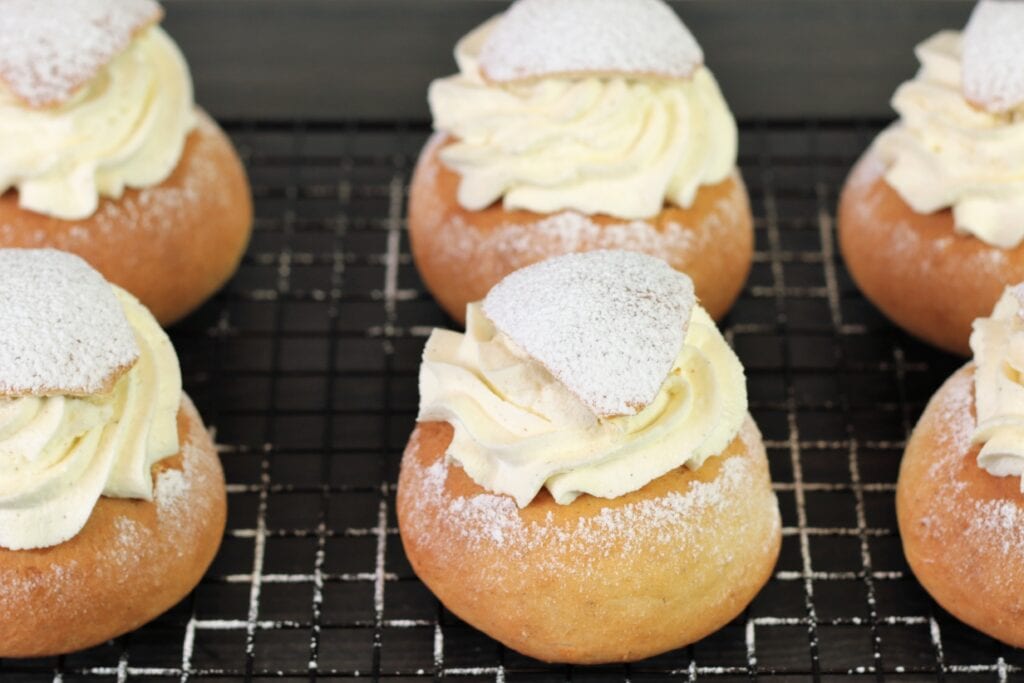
931	219
960	496
112	500
579	125
584	483
104	153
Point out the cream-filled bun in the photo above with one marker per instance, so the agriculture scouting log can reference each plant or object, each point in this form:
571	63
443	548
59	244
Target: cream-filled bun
104	153
931	219
584	483
112	500
577	125
960	496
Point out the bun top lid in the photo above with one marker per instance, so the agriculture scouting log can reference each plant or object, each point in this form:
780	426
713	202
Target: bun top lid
62	329
541	38
51	48
993	55
608	325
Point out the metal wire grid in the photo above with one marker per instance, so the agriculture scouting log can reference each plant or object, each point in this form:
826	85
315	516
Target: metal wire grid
306	368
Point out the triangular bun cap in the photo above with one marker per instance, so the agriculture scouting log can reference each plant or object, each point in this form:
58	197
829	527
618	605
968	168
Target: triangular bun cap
62	329
542	38
608	325
51	48
993	55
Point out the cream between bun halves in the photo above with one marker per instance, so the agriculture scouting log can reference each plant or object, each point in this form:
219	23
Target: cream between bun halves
575	125
931	219
584	483
112	500
104	153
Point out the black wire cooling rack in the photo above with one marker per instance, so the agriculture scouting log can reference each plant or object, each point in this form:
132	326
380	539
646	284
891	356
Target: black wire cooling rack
305	366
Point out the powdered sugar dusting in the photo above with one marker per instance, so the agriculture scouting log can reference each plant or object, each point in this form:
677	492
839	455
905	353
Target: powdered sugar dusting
607	324
62	330
956	414
177	504
171	491
567	232
487	520
1003	522
993	55
18	587
50	48
570	230
537	38
128	539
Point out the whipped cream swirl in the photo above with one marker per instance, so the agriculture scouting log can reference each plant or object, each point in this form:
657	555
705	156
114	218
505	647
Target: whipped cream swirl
614	145
998	346
59	454
944	152
517	429
125	128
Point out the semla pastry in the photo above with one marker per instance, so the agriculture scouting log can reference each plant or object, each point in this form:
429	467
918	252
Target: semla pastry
103	152
112	500
576	125
584	483
960	496
931	219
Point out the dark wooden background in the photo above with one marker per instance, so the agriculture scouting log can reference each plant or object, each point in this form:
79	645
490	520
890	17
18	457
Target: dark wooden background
373	59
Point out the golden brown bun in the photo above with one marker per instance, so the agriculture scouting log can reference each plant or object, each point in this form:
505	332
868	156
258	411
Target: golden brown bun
961	526
461	254
171	245
928	279
133	560
597	580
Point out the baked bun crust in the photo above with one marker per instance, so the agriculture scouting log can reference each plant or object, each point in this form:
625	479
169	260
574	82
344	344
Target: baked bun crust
962	528
133	560
461	254
597	580
171	245
925	277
